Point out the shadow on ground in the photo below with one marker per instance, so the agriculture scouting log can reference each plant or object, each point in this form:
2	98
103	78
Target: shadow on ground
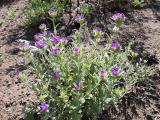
6	2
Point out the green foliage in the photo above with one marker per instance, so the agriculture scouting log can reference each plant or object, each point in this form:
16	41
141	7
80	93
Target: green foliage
29	116
85	9
79	80
11	13
37	9
138	2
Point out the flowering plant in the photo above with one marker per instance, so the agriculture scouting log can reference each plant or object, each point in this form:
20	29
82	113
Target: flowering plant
118	18
37	10
78	80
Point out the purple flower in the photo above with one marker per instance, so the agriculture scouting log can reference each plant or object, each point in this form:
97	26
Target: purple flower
17	74
76	50
116	71
24	45
56	74
40	44
46	33
55	51
97	29
102	72
77	85
23	60
80	19
20	60
118	16
43	26
38	36
56	39
130	87
44	107
115	46
52	12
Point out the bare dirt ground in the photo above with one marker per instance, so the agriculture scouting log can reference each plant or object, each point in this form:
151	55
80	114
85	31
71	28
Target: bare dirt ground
14	95
142	27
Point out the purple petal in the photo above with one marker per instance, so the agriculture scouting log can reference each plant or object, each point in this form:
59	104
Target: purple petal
56	74
77	85
42	26
115	46
116	71
76	50
17	74
44	106
40	44
38	36
55	51
56	39
97	29
102	73
118	16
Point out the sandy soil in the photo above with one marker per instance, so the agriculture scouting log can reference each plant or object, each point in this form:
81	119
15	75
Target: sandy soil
14	95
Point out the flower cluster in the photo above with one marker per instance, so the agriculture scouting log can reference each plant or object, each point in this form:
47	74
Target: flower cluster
97	31
118	16
115	46
77	85
23	60
76	50
56	39
43	27
40	44
47	33
102	73
56	74
24	45
80	19
116	71
38	36
55	51
53	12
44	107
